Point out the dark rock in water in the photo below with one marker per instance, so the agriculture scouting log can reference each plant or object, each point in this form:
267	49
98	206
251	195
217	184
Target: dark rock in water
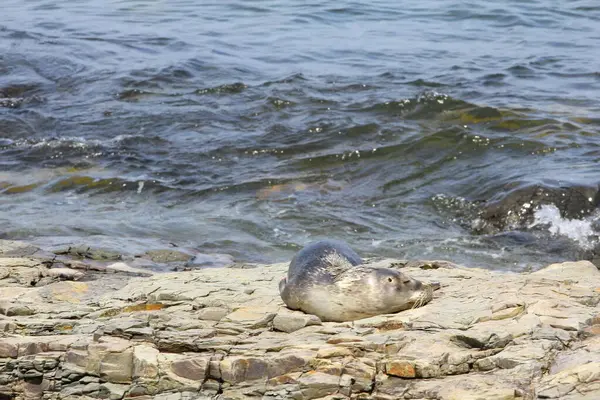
592	255
512	238
516	209
596	225
209	261
11	102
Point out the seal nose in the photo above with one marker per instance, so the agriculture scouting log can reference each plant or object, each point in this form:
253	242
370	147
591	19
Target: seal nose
418	284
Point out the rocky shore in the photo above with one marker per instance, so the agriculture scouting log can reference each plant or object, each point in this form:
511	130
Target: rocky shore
73	328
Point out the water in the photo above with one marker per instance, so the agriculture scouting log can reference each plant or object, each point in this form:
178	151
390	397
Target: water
254	127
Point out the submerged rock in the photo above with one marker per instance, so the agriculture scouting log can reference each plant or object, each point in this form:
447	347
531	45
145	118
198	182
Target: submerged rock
90	252
166	256
226	334
515	209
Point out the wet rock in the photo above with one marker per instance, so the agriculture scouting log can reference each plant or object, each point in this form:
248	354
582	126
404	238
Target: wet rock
515	209
210	261
193	368
145	362
167	256
314	384
90	252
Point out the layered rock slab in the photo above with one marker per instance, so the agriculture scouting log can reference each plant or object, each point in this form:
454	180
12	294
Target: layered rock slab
225	334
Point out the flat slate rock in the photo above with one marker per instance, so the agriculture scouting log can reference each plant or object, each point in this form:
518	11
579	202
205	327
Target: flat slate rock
225	334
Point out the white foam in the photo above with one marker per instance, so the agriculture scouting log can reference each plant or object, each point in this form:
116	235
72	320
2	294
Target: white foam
579	230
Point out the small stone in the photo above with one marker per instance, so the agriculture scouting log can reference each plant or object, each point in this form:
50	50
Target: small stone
485	364
145	362
118	326
212	313
334	351
362	373
425	369
111	359
211	387
401	368
240	369
289	362
317	384
195	368
16	310
291	322
85	251
112	391
117	367
124	268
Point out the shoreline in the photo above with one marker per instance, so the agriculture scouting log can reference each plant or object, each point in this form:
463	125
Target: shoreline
217	333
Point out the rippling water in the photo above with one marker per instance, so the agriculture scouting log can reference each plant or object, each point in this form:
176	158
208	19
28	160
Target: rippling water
253	127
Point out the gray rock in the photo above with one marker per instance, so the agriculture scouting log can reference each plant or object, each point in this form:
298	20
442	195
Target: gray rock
293	321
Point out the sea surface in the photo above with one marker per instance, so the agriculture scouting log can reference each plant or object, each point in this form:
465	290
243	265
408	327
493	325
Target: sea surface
254	127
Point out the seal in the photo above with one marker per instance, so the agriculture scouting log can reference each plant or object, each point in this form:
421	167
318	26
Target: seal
329	280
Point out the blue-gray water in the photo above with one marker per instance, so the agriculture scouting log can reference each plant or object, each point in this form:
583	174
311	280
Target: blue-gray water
253	127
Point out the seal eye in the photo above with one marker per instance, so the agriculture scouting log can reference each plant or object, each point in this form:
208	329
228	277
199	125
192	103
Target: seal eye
390	280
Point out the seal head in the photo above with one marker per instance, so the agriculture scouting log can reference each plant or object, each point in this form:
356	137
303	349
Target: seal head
328	279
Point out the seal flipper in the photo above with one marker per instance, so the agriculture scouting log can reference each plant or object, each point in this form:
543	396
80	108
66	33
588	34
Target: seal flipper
285	294
282	284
